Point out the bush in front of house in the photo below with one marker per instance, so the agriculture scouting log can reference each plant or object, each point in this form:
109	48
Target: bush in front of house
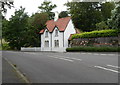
98	33
93	49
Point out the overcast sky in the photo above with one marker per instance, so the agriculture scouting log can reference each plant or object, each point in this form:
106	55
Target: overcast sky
31	6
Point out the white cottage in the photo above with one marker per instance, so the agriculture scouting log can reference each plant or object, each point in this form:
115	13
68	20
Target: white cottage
56	34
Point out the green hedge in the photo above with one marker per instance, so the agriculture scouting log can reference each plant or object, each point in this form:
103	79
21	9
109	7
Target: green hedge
95	34
93	49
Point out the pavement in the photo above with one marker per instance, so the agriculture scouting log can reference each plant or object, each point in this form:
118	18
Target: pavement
9	74
82	67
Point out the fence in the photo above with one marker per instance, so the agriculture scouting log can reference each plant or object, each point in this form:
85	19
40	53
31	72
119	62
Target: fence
30	49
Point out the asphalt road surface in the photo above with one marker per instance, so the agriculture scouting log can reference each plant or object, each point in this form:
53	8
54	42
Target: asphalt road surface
49	67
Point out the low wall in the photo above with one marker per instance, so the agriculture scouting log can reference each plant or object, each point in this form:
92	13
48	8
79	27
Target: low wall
62	49
108	41
57	49
30	49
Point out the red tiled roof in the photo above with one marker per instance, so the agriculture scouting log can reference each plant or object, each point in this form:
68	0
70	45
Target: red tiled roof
42	30
61	23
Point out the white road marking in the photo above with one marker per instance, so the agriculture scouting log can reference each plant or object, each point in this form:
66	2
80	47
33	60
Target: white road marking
29	53
113	66
62	58
72	58
106	69
66	59
77	59
103	54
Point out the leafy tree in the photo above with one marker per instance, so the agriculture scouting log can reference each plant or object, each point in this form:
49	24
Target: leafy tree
102	25
35	23
39	21
85	15
15	32
47	7
106	9
6	3
114	21
63	14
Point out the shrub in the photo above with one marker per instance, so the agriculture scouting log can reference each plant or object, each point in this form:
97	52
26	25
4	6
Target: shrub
93	49
95	34
5	46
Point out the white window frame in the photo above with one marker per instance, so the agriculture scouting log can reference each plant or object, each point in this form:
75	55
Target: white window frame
47	43
46	34
56	32
56	43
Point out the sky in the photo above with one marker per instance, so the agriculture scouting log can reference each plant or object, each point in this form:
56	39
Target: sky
31	6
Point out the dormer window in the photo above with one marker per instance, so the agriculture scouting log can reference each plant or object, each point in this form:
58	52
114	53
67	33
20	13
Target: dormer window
56	33
46	34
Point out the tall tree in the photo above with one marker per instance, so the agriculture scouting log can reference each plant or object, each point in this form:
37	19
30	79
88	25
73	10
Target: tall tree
63	14
6	3
114	21
47	7
3	9
106	9
15	31
85	15
35	23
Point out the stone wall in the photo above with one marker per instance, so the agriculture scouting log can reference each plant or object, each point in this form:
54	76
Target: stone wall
101	41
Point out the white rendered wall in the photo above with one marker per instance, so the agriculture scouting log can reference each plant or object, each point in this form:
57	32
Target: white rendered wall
43	39
62	37
68	31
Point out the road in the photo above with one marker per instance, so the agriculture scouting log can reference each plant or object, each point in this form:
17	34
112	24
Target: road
49	67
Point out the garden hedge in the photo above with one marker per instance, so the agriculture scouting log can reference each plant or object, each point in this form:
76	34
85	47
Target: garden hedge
95	34
93	49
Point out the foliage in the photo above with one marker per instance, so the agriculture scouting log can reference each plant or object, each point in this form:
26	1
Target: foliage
106	9
6	46
39	20
47	7
94	34
86	15
5	4
102	25
35	23
15	31
93	49
114	21
63	14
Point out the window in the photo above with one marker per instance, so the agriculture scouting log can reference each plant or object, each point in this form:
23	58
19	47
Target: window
46	43
56	33
46	34
56	43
